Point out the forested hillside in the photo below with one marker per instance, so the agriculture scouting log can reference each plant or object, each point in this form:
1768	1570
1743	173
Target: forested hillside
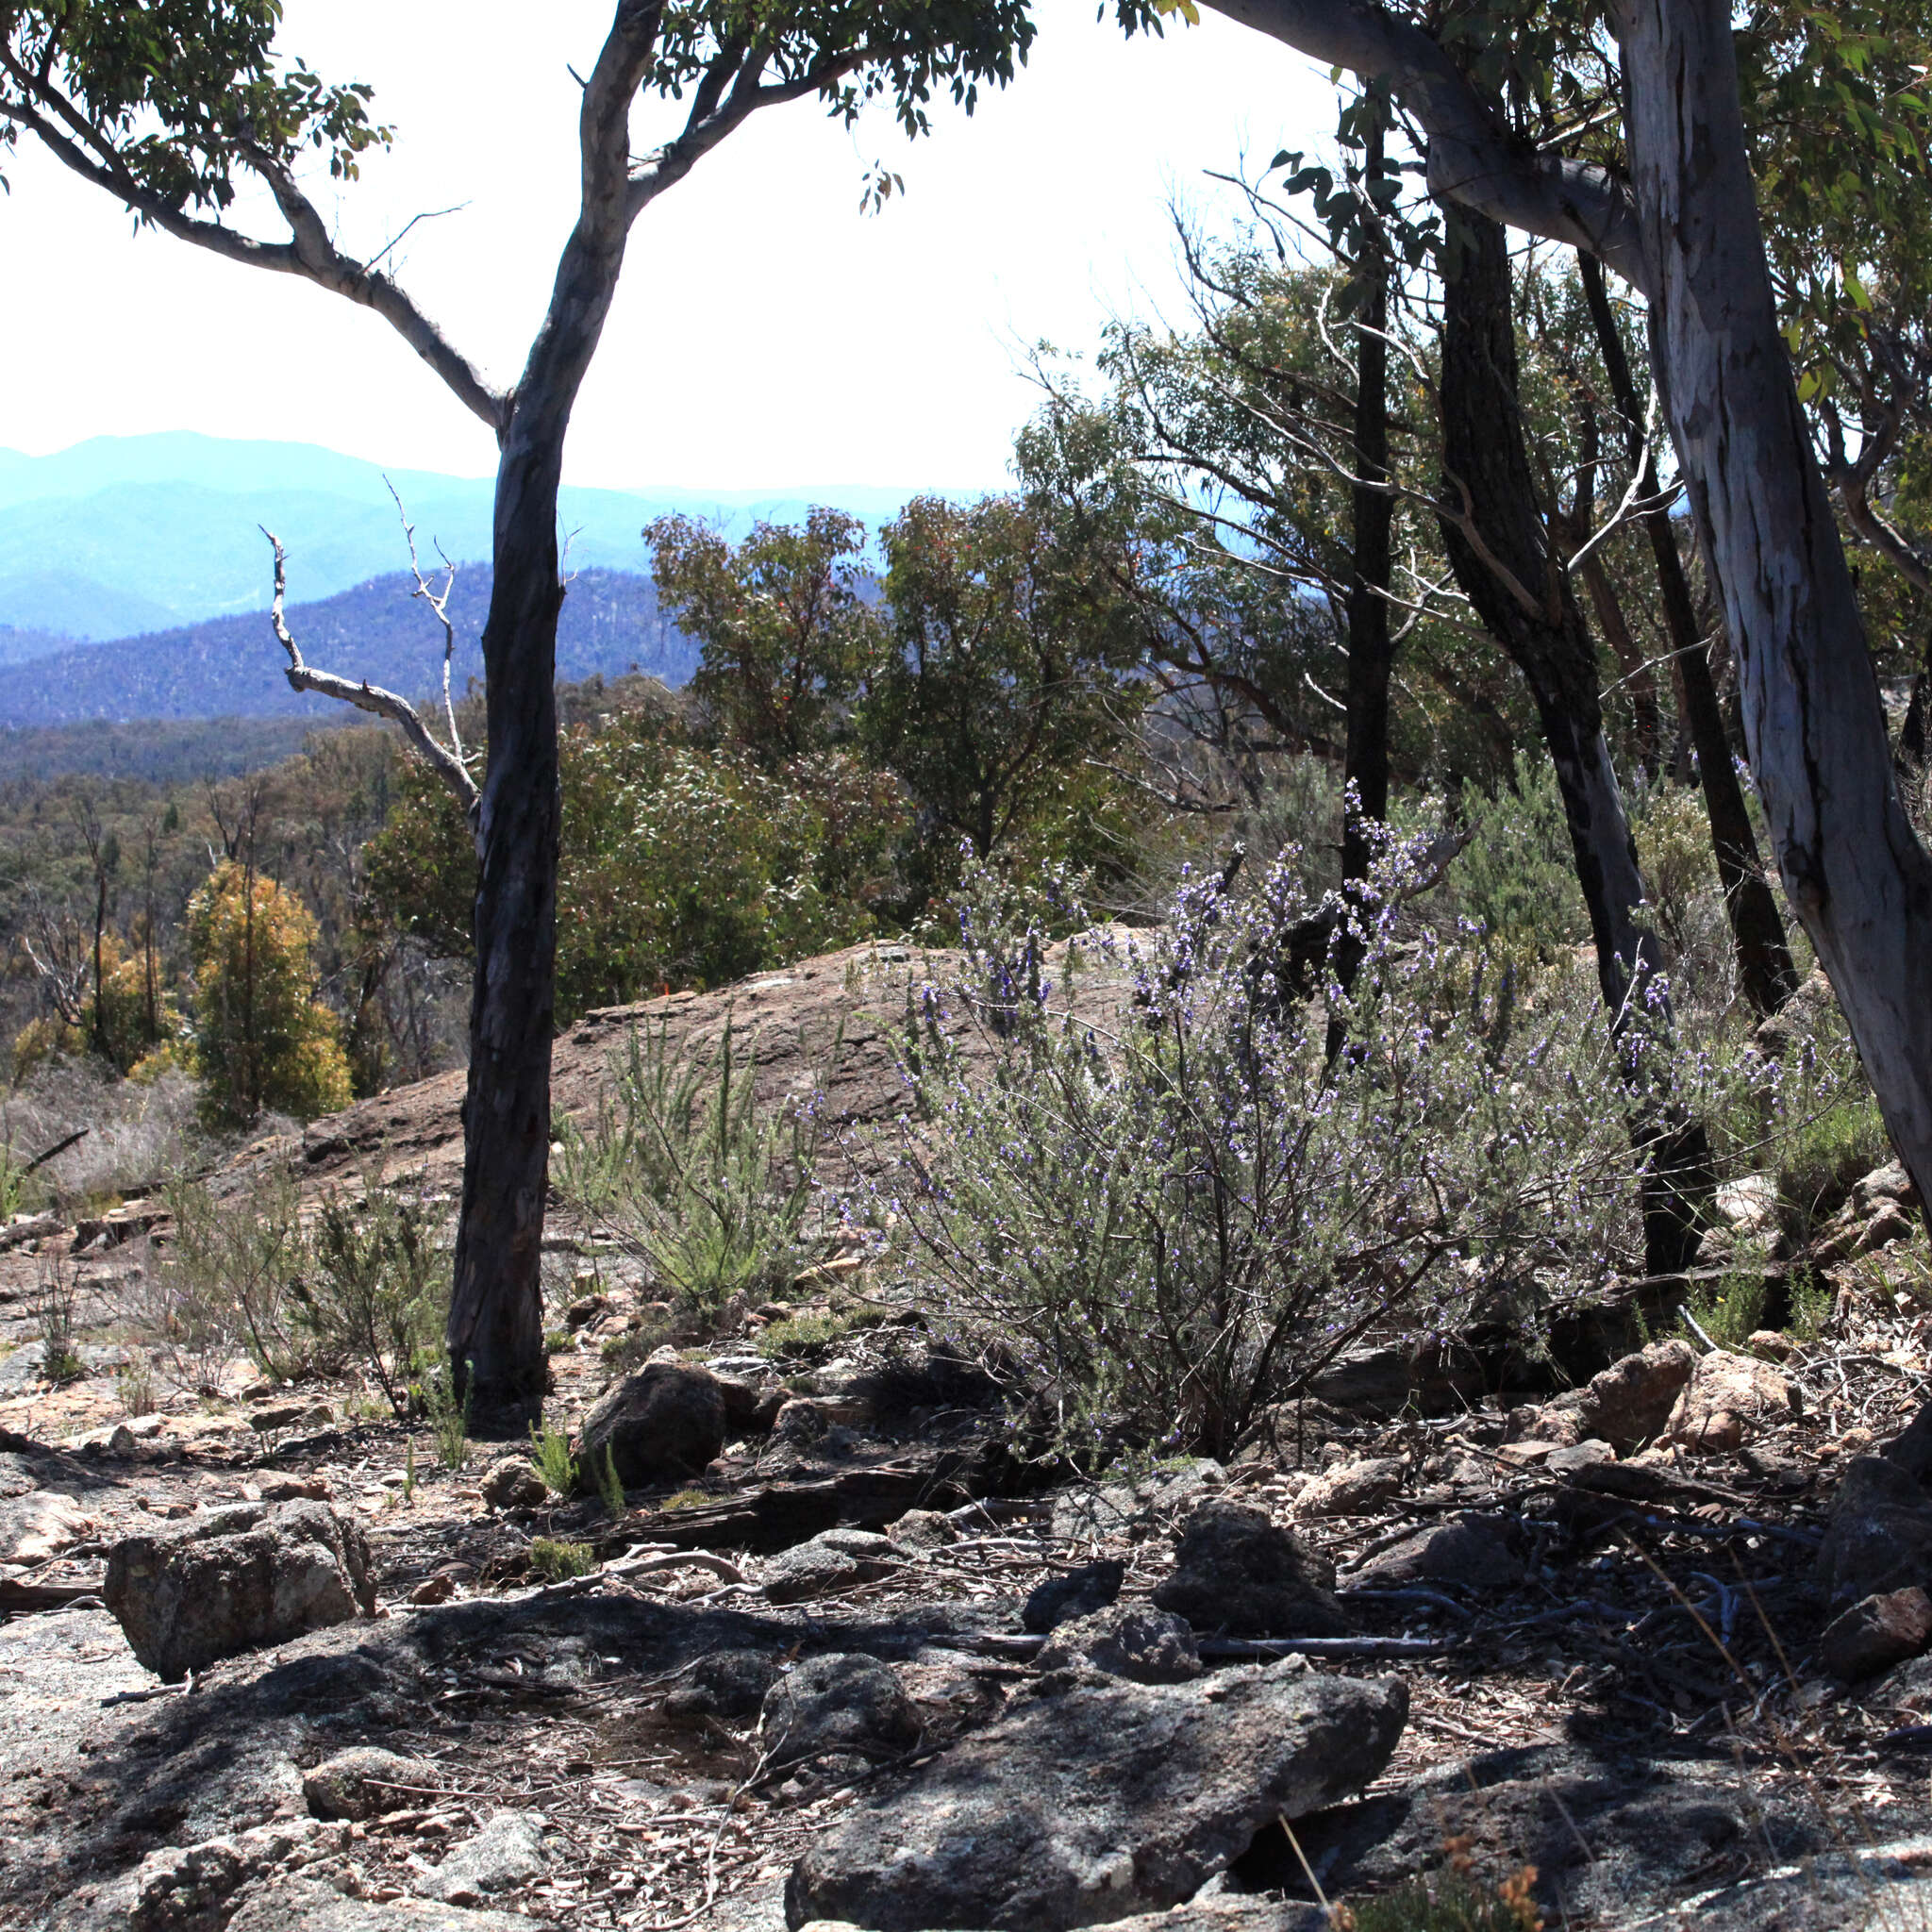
232	666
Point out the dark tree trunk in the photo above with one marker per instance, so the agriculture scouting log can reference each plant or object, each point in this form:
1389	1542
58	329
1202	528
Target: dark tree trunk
1501	556
1370	655
1765	969
497	1310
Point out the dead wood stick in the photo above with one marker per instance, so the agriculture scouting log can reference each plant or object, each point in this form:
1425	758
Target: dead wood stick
41	1161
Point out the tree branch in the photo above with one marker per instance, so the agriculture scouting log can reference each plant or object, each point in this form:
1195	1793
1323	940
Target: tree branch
365	696
1474	159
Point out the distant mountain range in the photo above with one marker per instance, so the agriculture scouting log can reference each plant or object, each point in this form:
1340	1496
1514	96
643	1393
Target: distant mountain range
122	534
231	667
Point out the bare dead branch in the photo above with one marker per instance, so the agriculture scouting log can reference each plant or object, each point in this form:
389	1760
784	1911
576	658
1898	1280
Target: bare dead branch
447	764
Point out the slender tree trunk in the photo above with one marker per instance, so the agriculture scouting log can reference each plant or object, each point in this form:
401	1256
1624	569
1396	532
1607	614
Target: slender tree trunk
496	1309
1638	676
1503	561
1814	725
1370	655
1765	969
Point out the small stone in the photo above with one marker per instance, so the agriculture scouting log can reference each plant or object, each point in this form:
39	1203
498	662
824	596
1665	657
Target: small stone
1877	1633
1579	1456
1891	1224
1472	1551
923	1529
514	1484
1773	1347
1238	1571
269	1418
1132	1640
1749	1204
293	1489
434	1590
1353	1487
824	1565
359	1783
837	1704
1078	1593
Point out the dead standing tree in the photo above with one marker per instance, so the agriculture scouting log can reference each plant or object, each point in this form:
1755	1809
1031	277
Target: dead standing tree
88	81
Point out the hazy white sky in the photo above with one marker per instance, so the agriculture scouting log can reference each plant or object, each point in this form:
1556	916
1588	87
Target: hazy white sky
766	333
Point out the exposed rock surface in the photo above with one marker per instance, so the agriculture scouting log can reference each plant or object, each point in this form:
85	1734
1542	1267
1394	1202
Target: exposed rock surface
507	1851
363	1783
1130	1509
1880	1535
1353	1487
1472	1551
1727	1397
1078	1593
726	1683
312	1907
1104	1801
236	1580
1877	1633
834	1559
40	1525
837	1704
1238	1571
662	1424
1133	1640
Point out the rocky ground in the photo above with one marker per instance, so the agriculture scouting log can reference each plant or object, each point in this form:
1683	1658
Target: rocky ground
1661	1639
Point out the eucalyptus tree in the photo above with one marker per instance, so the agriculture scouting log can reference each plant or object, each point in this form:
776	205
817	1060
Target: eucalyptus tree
1653	177
170	108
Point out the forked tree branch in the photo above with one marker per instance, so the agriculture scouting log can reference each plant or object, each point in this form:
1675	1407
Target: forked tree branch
447	764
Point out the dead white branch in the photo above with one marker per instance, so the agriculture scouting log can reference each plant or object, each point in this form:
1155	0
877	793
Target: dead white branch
447	764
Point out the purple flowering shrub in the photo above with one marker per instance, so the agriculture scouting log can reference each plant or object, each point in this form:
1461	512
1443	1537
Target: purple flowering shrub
1175	1221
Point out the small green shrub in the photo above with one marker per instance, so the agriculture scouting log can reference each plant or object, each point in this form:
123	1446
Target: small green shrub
689	1499
1732	1311
550	1459
54	1295
1813	1302
609	1487
231	1265
813	1335
1826	1154
554	1561
135	1383
558	1341
377	1292
708	1185
449	1420
1448	1902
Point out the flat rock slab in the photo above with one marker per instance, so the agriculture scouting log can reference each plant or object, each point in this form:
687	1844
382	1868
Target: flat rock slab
1099	1803
509	1850
316	1908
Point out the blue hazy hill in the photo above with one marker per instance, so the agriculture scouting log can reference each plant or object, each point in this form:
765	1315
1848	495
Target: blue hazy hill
121	535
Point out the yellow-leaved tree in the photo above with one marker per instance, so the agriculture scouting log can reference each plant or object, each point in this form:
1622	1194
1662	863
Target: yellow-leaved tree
261	1038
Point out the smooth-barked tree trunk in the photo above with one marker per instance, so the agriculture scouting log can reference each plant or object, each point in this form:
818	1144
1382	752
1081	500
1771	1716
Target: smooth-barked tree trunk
1814	725
1765	971
1500	552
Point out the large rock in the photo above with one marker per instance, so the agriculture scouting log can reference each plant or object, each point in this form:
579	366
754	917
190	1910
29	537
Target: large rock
724	1683
1131	1508
236	1580
662	1424
315	1908
1132	1640
1099	1803
1626	1405
1238	1571
509	1850
1726	1400
1877	1633
1879	1538
837	1704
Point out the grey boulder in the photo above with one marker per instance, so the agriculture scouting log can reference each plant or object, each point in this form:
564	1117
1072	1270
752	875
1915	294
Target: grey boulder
833	1561
234	1580
1238	1571
837	1704
1472	1551
314	1908
723	1683
1078	1593
1880	1535
1105	1801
